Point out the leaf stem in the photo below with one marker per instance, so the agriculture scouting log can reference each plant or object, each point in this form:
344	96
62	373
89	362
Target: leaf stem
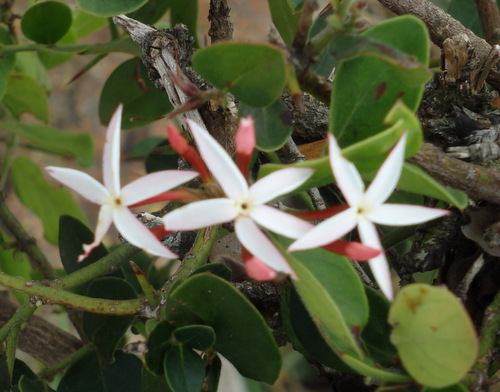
23	313
49	372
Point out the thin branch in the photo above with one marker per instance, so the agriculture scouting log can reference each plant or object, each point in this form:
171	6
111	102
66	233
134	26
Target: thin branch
221	28
490	20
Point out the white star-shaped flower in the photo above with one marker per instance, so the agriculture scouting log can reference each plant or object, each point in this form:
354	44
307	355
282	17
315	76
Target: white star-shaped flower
367	208
114	200
244	204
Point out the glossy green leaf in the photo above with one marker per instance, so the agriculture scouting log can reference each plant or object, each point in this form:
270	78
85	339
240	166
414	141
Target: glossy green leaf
72	235
285	18
253	73
7	62
75	145
129	84
159	341
197	337
375	371
185	12
153	383
366	87
91	374
110	7
151	12
184	369
210	300
218	269
24	94
333	294
41	198
434	335
273	124
46	22
106	331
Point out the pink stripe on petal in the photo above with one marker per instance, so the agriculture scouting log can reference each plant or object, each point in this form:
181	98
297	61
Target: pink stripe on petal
278	183
111	155
220	163
139	235
103	222
258	244
327	231
80	182
153	184
255	268
279	221
200	214
244	141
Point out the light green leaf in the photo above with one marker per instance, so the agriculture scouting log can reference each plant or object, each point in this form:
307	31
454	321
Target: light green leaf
284	18
24	94
46	202
85	24
7	62
254	73
110	7
79	146
434	335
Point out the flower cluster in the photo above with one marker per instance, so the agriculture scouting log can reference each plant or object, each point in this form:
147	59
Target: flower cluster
230	197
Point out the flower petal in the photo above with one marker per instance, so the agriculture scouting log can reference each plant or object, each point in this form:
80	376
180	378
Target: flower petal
347	176
200	214
255	268
111	155
103	222
80	182
138	235
388	175
327	231
279	221
378	265
153	184
352	249
220	163
244	143
404	214
258	244
278	183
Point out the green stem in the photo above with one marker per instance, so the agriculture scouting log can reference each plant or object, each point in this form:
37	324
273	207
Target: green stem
6	163
22	314
105	265
49	372
25	242
55	295
197	256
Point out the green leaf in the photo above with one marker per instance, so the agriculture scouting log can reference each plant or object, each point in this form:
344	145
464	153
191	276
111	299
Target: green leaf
85	24
184	369
273	124
75	145
39	196
434	335
151	12
371	370
464	11
8	61
217	269
159	341
72	235
24	94
242	335
452	388
213	374
153	383
46	22
90	374
285	18
185	12
106	331
197	337
366	87
110	7
16	263
28	385
333	294
50	59
253	73
129	84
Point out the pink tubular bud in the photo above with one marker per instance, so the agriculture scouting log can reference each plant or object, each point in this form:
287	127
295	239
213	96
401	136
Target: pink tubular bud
244	141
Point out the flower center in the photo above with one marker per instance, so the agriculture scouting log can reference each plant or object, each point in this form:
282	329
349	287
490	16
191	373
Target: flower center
243	207
364	208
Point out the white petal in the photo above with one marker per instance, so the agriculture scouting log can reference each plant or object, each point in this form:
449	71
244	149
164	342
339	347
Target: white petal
346	175
138	235
111	155
80	182
258	244
219	163
200	214
327	231
153	184
278	183
404	214
378	265
388	175
103	222
279	221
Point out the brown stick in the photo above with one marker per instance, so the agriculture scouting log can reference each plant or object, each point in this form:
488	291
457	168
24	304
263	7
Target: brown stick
490	20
